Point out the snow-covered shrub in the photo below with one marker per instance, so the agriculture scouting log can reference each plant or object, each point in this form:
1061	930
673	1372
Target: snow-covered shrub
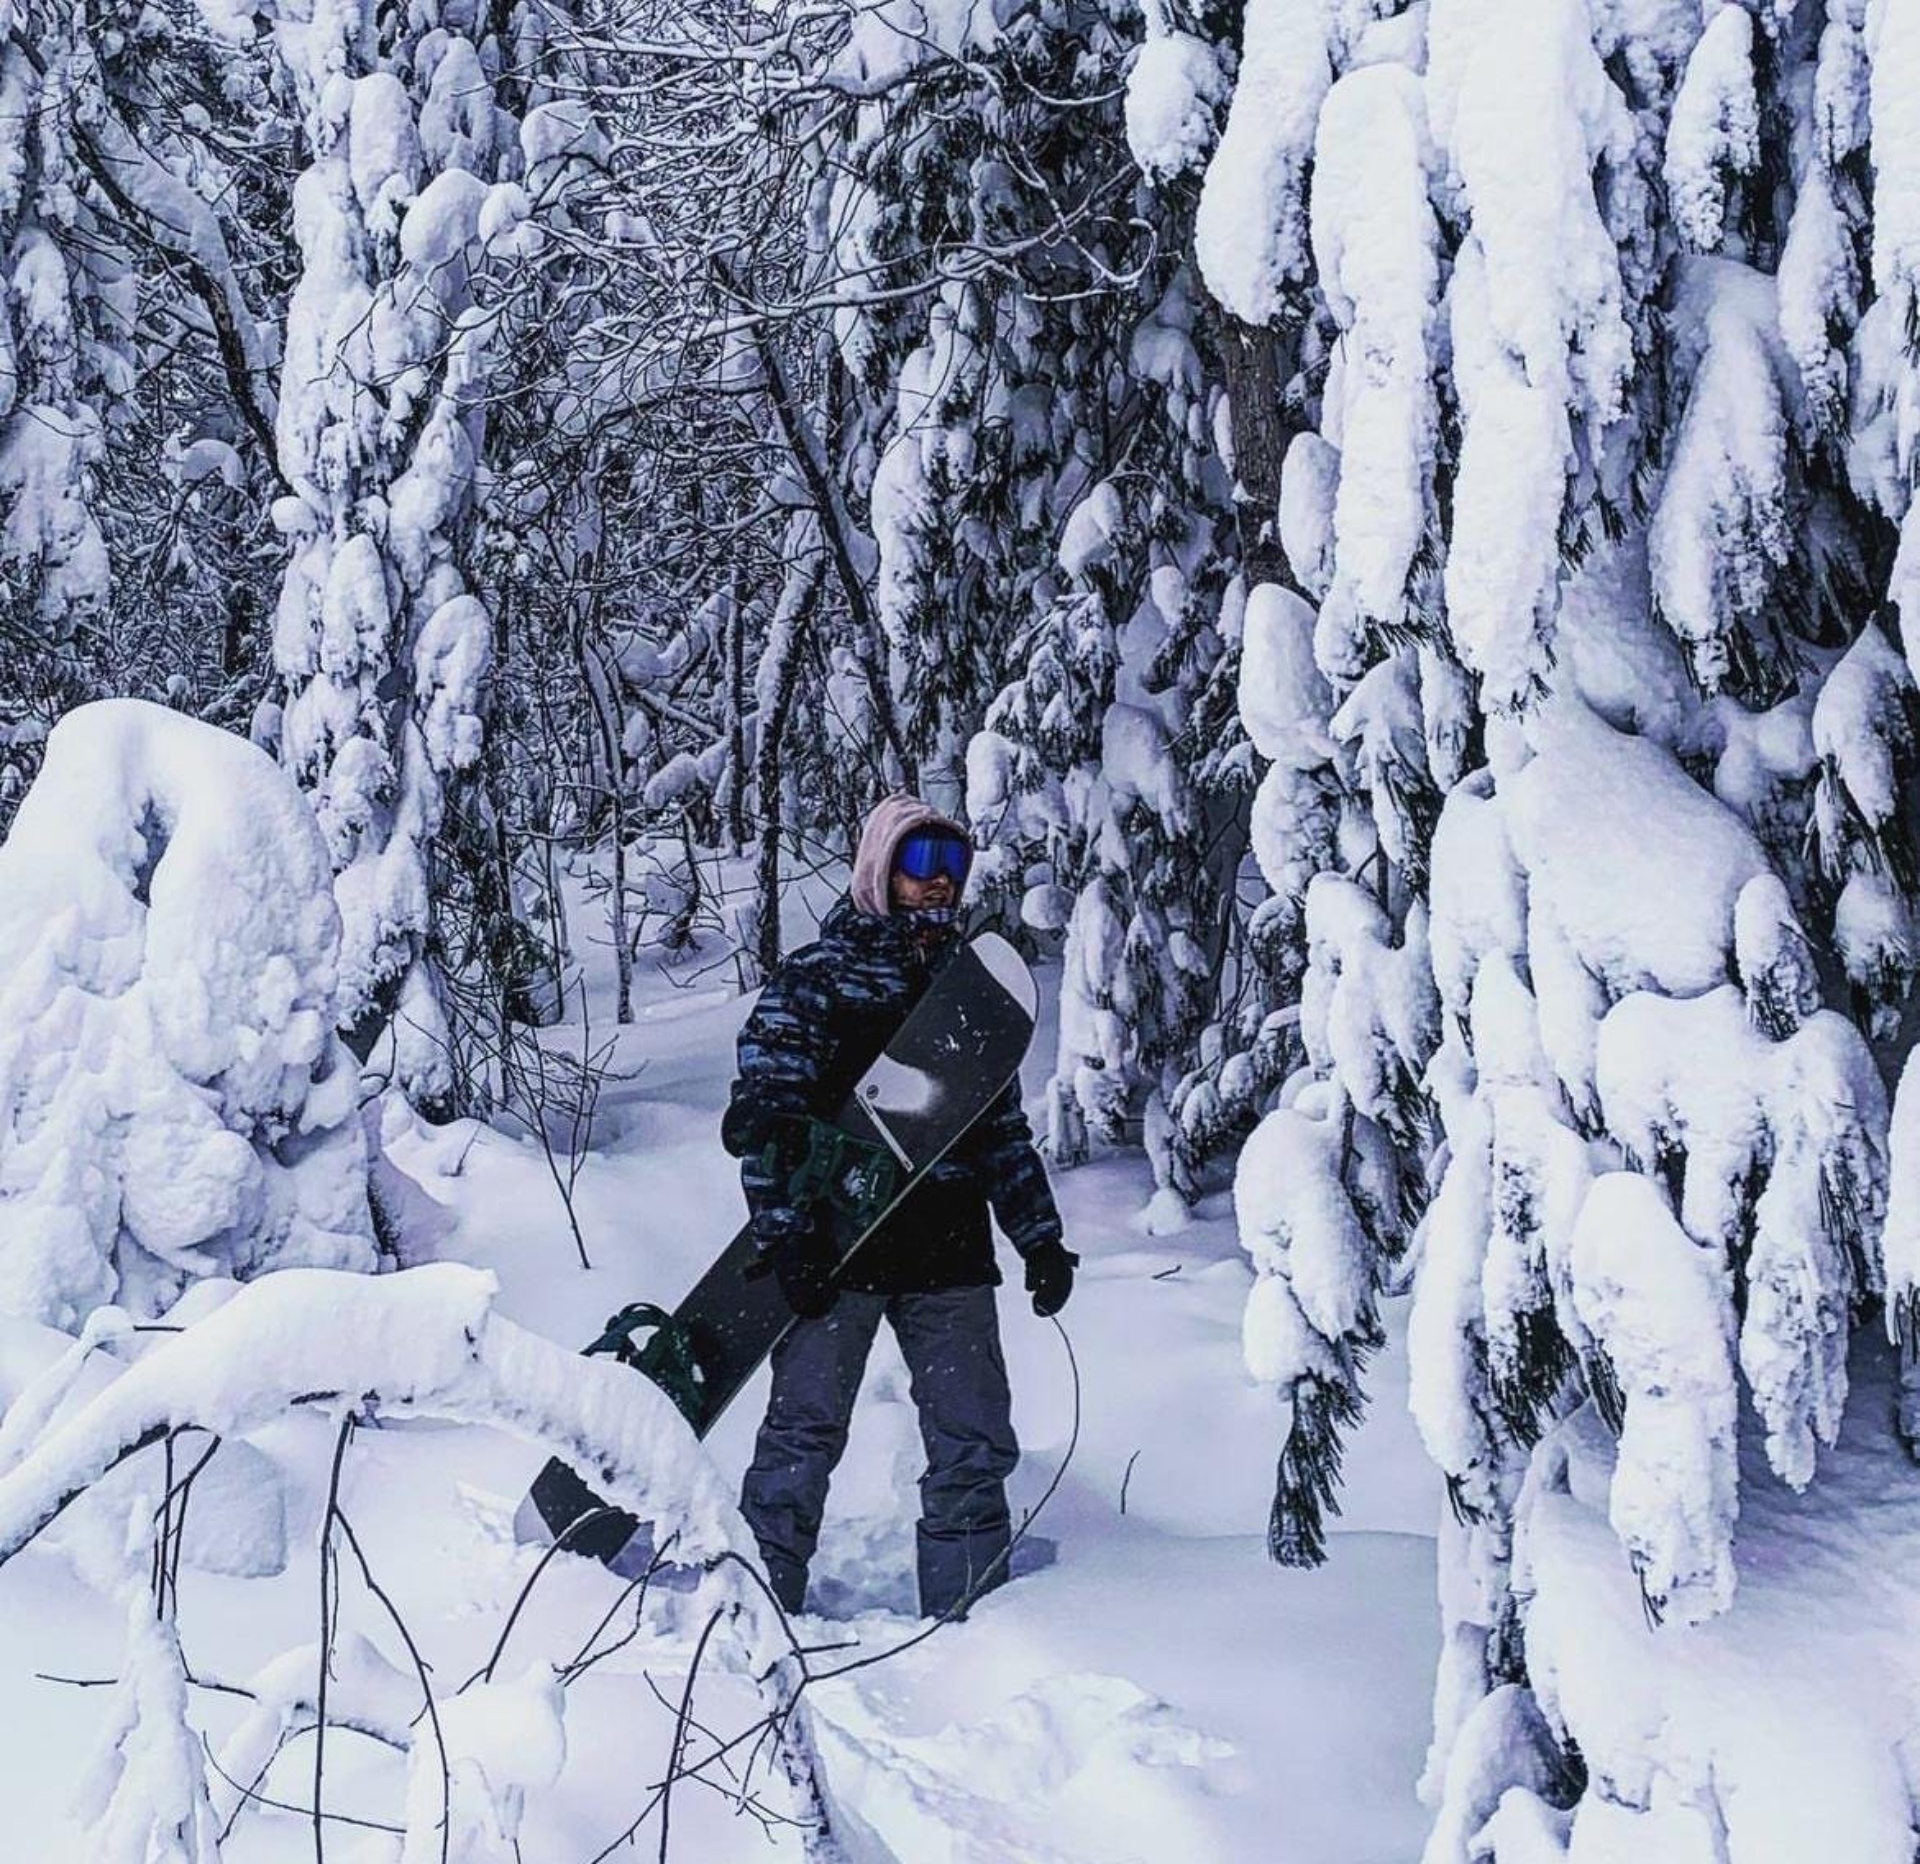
135	353
174	1103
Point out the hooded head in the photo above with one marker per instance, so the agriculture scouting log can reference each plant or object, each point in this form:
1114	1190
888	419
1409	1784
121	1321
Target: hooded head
891	822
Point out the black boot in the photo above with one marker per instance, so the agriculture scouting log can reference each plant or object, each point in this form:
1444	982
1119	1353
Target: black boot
958	1566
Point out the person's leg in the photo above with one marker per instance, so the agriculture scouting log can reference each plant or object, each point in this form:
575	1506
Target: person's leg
950	1340
816	1376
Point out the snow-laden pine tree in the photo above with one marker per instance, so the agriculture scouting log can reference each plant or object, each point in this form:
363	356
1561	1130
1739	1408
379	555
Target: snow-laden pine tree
176	1102
65	315
409	194
1089	775
1589	737
1032	439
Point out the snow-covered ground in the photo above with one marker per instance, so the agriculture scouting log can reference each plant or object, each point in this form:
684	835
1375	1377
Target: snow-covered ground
1158	1689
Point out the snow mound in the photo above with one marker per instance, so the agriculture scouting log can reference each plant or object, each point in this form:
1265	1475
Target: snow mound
986	1791
177	1104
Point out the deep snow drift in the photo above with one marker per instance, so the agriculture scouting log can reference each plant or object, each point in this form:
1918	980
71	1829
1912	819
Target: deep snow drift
1158	1689
1151	1687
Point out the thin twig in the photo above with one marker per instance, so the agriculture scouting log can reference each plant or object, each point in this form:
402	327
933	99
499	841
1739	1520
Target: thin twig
170	1543
113	1682
259	1798
571	1531
680	1728
329	1601
422	1670
582	1662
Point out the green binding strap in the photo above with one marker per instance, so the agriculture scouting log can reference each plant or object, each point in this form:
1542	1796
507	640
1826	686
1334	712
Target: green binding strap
852	1177
667	1357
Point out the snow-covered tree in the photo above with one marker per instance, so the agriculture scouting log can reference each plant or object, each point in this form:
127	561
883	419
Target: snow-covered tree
1586	801
176	1103
65	315
409	195
135	363
1030	435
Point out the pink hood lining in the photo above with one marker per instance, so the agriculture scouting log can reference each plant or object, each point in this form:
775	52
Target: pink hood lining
892	820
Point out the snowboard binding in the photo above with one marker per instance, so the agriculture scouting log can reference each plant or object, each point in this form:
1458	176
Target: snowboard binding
667	1356
830	1168
561	1508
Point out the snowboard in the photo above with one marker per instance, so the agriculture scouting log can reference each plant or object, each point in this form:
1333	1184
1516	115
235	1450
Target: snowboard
944	1067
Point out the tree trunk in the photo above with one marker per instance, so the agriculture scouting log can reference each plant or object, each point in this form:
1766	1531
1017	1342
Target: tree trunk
1259	363
736	721
606	719
773	731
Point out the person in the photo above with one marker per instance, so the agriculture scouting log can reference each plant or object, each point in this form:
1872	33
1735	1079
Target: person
929	1270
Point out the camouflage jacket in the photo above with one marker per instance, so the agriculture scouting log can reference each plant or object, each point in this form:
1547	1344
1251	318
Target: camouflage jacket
822	1018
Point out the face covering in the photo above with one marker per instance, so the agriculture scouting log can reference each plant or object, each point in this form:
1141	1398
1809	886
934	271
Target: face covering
929	918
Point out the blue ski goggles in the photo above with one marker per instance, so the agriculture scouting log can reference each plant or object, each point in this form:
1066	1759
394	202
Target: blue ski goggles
927	853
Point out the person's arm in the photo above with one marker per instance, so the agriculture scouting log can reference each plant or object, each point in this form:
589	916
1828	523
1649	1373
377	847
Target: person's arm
1015	1178
1022	1200
785	1049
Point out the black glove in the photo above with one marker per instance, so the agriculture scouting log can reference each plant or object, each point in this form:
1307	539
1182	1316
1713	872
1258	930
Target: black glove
803	1264
1050	1269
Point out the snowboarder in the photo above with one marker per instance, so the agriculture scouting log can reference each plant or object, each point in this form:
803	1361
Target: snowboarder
929	1270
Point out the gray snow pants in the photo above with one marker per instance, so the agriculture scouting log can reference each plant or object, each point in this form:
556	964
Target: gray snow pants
950	1340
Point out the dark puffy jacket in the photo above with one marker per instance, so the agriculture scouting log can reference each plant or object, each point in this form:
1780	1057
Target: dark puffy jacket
821	1019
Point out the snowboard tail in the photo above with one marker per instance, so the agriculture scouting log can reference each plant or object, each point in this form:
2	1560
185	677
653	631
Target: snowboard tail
947	1063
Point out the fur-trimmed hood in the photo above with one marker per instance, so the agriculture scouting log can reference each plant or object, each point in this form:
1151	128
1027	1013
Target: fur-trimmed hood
891	822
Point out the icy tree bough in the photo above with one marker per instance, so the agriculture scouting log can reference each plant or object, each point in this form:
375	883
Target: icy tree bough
1529	122
1658	1305
174	1103
1251	233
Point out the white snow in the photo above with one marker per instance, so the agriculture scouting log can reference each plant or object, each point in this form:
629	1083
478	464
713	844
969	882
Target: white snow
1893	48
1250	233
1126	1694
1091	530
1819	287
1714	132
1376	246
1524	113
177	1104
1638	896
1658	1304
1309	478
1721	533
1858	726
1174	93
